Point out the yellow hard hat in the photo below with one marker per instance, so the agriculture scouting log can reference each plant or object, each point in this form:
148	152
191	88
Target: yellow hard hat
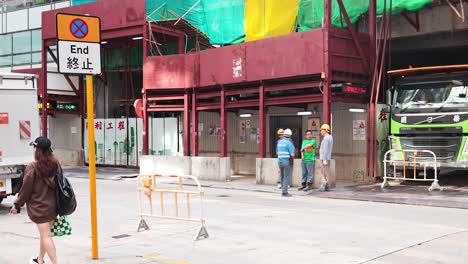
280	131
325	127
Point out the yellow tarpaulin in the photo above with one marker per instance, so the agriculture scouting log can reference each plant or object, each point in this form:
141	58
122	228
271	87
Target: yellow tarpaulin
269	18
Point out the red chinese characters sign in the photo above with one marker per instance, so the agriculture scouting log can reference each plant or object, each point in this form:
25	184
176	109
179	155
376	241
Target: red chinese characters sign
3	118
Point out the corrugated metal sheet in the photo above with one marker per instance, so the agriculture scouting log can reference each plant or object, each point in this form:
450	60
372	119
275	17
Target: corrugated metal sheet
210	142
286	56
171	71
342	129
345	57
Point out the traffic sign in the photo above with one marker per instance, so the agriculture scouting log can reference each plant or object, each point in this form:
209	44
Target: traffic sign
78	28
79	52
79	44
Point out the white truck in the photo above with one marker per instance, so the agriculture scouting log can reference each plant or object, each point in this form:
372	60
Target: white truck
19	125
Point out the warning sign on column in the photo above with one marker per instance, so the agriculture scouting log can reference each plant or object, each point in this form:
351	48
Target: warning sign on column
359	130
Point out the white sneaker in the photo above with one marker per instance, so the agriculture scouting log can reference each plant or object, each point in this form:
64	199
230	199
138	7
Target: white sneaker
279	186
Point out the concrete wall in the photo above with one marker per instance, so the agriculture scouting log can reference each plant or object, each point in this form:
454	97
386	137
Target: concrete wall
65	131
267	172
65	134
70	158
204	168
211	168
165	165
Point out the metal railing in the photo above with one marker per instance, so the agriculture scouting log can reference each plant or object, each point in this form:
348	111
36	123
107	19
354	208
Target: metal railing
147	184
410	169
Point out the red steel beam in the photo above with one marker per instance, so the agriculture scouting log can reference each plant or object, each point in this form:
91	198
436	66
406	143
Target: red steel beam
165	109
186	125
242	103
326	111
241	91
205	107
165	98
223	124
207	95
291	86
194	125
353	33
166	30
294	99
145	133
67	78
372	33
262	122
60	111
415	23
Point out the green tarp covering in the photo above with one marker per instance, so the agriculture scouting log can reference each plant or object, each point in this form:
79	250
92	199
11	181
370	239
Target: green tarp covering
310	14
81	2
221	21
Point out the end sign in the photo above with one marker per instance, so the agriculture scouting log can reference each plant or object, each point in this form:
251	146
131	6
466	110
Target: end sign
79	44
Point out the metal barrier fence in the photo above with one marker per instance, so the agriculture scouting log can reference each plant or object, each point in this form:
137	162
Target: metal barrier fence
427	159
147	184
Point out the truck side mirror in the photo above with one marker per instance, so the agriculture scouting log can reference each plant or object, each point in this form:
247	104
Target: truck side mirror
388	98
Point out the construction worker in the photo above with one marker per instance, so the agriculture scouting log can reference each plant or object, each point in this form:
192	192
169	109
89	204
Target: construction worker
308	161
326	148
280	134
285	152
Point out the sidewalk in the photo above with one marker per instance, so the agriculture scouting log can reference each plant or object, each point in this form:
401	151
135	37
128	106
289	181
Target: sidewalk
404	193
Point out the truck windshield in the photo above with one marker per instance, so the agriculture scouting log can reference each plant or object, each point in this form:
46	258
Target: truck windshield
432	95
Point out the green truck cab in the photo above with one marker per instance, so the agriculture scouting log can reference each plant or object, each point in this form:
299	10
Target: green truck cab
429	111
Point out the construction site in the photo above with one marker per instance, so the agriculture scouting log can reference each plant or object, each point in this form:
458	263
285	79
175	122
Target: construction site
203	85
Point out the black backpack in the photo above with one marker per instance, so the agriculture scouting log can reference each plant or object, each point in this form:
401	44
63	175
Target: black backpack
66	201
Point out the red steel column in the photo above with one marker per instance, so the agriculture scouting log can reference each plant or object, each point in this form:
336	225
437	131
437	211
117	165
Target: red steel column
194	125
223	124
262	122
145	112
181	44
372	35
326	115
44	89
186	125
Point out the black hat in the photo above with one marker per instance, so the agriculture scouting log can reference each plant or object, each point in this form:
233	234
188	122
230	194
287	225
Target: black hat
42	143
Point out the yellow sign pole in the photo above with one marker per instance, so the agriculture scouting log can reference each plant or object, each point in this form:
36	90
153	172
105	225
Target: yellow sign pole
92	165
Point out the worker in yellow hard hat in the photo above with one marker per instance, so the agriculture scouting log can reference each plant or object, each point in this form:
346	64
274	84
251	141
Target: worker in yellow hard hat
280	132
325	127
326	148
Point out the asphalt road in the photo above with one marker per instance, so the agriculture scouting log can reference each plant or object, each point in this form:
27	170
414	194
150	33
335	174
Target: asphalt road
248	227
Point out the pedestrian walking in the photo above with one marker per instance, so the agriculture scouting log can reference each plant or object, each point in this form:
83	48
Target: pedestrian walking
39	194
308	147
285	152
326	148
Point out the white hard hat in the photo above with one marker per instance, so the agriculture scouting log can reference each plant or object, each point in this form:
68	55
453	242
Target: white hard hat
288	132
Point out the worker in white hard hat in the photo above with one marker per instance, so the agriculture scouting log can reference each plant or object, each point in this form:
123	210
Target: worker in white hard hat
326	148
285	151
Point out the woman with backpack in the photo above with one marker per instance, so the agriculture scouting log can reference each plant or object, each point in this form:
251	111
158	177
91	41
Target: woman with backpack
38	192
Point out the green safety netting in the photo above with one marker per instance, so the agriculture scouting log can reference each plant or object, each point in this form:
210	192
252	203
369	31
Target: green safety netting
80	2
310	14
115	58
223	20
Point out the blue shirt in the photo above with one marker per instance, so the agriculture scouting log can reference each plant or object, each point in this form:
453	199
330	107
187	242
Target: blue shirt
284	149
